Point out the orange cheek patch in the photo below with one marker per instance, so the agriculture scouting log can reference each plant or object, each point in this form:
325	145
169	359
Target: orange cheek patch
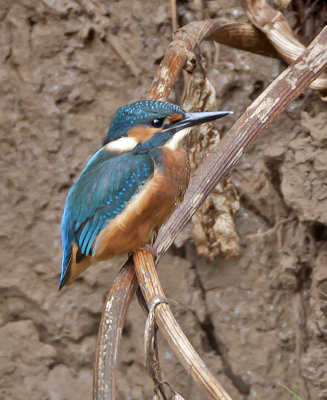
175	117
142	133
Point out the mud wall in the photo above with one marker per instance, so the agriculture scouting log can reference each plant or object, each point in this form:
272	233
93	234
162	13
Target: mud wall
258	319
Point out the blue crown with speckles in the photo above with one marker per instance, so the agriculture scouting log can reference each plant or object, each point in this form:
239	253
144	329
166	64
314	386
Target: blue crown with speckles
138	113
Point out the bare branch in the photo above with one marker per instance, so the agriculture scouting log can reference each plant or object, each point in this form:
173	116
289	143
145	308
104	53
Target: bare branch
276	27
240	35
285	88
152	289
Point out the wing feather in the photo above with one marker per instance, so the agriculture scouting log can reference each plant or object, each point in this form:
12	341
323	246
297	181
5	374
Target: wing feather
102	191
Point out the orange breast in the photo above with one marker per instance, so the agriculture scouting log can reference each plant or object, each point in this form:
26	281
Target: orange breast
148	210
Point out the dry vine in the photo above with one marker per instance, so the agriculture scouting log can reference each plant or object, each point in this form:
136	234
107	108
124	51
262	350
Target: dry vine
274	25
250	125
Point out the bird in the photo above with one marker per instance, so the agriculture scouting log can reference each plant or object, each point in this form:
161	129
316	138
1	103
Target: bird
130	186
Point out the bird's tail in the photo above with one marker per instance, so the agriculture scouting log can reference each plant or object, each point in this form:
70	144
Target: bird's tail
73	264
65	267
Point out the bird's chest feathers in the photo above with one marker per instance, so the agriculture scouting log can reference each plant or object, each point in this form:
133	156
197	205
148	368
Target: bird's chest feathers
161	194
167	187
176	169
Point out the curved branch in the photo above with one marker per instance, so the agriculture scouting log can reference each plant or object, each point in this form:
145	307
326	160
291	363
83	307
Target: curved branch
236	34
275	26
151	288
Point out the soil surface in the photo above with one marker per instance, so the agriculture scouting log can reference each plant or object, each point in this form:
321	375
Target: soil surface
258	319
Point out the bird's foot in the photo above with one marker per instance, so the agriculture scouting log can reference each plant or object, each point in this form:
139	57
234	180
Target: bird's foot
150	249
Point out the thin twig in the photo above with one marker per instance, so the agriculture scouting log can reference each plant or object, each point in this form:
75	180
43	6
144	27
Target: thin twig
151	350
173	11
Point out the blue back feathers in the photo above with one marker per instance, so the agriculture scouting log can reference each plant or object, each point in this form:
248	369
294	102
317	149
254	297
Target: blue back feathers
139	113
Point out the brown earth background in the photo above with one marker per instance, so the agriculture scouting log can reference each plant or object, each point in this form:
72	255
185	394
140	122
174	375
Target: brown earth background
258	319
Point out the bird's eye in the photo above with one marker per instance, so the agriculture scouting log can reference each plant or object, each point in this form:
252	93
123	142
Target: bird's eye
157	122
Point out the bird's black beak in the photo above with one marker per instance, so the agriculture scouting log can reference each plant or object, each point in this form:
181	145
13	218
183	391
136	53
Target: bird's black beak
196	118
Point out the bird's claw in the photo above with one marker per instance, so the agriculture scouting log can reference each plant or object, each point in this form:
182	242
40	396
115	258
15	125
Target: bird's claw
154	253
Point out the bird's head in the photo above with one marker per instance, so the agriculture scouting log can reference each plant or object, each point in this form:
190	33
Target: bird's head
153	123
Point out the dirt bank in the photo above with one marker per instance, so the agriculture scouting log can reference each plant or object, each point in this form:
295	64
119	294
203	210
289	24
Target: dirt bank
259	318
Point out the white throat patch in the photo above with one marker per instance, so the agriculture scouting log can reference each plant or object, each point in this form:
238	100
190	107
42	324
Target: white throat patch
177	138
121	145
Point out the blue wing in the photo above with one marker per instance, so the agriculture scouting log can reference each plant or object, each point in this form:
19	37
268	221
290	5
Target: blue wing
102	191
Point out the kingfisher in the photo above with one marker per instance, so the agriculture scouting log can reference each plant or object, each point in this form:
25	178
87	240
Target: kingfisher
130	186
